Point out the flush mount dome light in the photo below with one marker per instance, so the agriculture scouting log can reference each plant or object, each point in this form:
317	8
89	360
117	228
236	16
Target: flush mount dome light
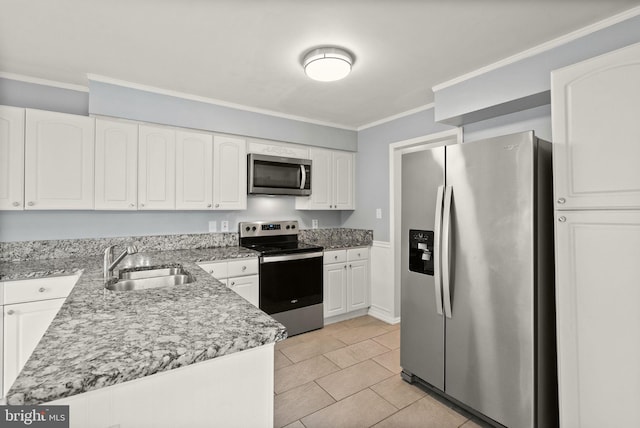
327	64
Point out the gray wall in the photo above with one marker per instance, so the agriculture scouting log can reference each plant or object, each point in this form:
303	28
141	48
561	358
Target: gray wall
30	95
526	83
372	169
113	100
44	225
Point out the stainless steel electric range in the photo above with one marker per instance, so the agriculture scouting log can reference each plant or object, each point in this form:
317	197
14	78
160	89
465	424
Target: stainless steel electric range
290	274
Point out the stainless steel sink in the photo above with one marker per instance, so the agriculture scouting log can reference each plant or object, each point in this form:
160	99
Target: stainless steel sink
150	273
150	278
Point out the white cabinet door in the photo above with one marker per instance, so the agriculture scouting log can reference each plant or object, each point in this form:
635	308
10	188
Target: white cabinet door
156	168
598	317
358	281
194	171
245	286
59	152
11	158
116	183
343	179
321	180
230	173
596	132
335	289
24	326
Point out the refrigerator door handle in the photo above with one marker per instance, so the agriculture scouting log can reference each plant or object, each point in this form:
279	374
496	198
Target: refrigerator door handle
437	272
446	237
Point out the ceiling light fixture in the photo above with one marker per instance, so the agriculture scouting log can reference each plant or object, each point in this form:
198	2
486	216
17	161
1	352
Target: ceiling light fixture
327	64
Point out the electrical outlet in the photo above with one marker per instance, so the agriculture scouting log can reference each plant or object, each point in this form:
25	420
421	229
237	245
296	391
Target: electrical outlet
213	227
378	213
314	223
224	226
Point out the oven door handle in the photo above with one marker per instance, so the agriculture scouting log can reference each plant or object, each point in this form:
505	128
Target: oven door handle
288	257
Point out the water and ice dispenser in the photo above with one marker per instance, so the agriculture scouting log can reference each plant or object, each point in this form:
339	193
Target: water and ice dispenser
421	251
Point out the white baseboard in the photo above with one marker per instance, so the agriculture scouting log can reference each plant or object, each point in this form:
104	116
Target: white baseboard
383	315
344	317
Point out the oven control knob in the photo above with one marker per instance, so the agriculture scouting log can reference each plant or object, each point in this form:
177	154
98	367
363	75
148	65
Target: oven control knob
288	227
293	226
253	228
247	228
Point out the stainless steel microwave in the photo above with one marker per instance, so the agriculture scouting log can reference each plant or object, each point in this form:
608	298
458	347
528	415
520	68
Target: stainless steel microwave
275	175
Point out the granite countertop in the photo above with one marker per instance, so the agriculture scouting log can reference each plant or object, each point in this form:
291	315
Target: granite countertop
101	338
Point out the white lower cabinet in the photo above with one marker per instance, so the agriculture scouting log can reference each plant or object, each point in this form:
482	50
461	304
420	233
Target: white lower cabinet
239	275
346	281
30	306
24	326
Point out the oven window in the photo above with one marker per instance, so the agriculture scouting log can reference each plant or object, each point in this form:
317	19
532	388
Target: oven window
290	284
275	174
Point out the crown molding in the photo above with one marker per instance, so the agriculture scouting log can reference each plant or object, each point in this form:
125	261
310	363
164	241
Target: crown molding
584	31
213	101
396	116
45	82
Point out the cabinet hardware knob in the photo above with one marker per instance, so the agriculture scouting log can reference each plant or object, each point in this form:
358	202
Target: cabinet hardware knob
233	283
16	204
30	203
208	205
562	219
217	205
335	257
358	254
345	266
142	205
561	200
42	289
350	266
10	312
131	205
244	268
211	271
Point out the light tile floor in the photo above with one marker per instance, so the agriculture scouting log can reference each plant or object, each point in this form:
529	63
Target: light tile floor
348	375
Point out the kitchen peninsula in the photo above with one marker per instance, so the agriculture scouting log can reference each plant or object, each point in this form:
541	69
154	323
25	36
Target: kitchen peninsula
101	349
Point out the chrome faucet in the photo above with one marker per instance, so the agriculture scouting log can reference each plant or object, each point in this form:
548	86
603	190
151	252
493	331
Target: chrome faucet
110	264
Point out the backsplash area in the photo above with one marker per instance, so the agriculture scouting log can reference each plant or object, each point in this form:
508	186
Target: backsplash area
56	249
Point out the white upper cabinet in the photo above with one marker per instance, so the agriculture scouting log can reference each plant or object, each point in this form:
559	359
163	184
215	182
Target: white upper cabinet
596	132
156	168
59	152
230	173
194	171
11	158
332	181
343	180
116	183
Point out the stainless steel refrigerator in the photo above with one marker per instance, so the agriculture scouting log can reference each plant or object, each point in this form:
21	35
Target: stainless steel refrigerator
477	305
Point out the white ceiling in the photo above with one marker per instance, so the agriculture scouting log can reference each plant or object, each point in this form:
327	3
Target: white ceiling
248	51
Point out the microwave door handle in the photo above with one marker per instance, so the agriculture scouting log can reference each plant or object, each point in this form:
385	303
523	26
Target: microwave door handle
303	181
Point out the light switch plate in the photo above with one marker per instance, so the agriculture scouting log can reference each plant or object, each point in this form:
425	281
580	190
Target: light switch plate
314	223
378	213
224	226
213	226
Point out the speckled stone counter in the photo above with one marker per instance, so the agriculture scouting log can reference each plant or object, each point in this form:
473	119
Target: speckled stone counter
332	239
101	338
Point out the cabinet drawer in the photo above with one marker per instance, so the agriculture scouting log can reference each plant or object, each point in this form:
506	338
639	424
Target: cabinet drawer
336	256
30	290
217	270
243	267
357	254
